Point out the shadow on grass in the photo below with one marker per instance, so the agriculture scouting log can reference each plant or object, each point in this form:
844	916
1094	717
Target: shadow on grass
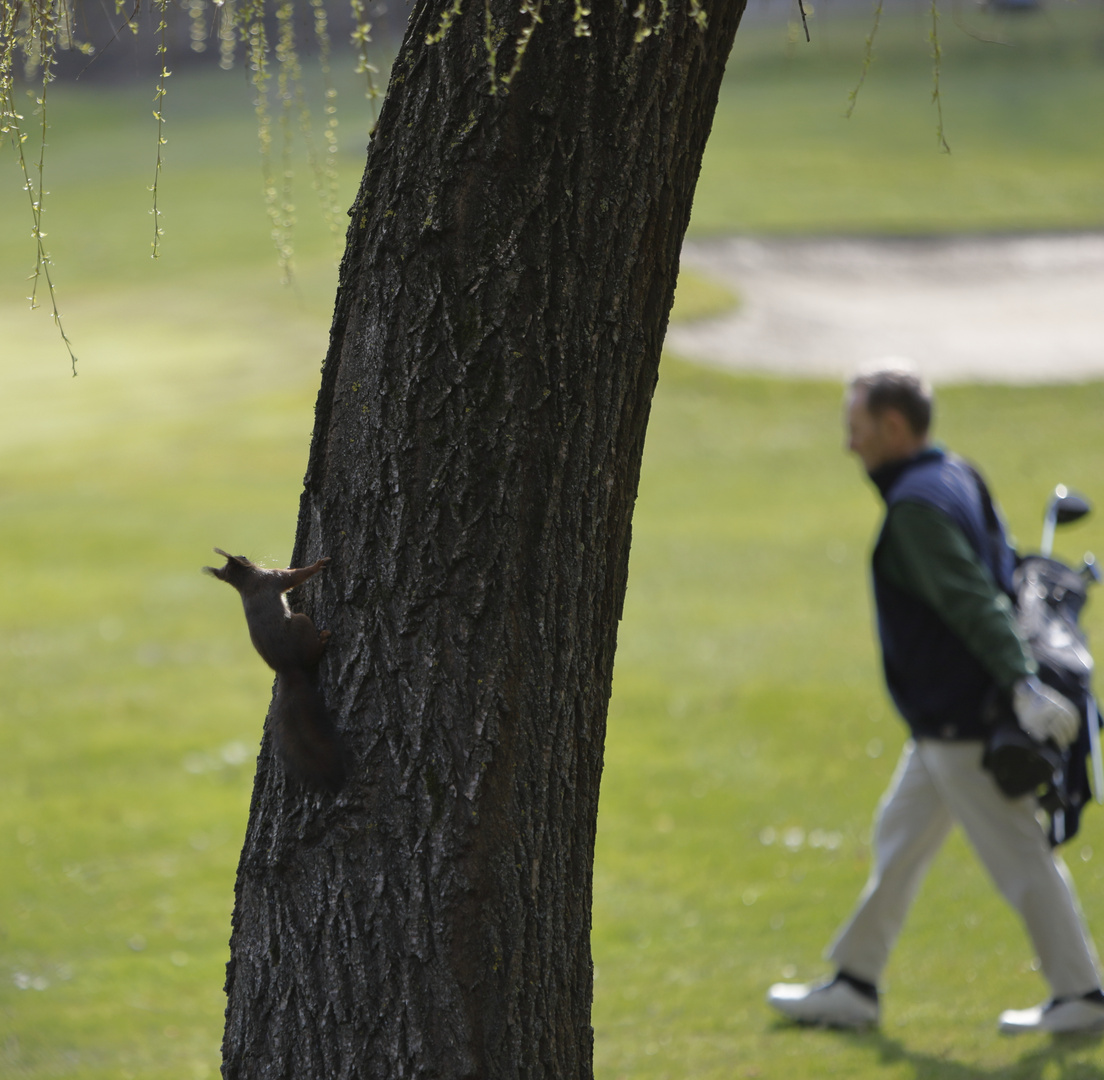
1053	1055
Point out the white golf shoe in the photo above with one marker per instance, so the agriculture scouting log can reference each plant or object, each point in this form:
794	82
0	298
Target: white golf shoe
1063	1017
831	1004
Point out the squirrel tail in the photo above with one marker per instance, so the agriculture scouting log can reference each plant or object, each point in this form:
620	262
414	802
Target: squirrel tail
306	739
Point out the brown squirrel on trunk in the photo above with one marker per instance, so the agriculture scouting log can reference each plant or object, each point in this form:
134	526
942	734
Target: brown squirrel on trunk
306	740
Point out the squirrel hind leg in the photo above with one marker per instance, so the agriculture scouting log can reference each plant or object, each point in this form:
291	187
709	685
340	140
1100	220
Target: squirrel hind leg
306	741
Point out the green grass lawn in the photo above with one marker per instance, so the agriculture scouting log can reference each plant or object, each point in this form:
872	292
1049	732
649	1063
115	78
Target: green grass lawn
749	737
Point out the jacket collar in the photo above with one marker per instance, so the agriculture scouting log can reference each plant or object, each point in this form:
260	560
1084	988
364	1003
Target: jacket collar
885	476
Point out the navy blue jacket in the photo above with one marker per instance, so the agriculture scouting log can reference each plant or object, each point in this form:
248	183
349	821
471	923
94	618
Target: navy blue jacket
937	684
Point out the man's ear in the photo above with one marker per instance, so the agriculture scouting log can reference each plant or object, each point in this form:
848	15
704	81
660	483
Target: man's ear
895	426
898	433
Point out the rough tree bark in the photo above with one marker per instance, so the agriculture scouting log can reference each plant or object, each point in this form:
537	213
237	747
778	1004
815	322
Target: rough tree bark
504	294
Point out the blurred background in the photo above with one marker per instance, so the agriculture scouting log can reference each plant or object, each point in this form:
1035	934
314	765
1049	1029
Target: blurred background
749	736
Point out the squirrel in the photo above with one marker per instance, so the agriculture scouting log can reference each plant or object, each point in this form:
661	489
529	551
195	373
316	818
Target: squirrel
306	740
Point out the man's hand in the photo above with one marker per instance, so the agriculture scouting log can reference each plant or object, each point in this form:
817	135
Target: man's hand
1044	713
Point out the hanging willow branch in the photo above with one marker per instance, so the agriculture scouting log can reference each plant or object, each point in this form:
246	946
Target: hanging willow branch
162	56
34	32
937	67
868	59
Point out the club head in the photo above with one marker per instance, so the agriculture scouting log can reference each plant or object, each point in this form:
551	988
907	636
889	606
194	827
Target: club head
1067	506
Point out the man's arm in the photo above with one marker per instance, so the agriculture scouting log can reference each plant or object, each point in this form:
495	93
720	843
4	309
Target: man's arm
924	553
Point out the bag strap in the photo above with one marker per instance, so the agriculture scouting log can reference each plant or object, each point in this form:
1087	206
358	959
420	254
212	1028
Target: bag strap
997	542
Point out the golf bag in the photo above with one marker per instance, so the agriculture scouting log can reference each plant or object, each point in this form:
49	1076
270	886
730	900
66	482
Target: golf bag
1049	597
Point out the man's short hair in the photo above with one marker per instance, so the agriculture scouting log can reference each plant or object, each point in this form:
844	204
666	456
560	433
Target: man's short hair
897	388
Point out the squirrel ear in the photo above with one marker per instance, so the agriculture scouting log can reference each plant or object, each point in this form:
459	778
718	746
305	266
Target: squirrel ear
241	560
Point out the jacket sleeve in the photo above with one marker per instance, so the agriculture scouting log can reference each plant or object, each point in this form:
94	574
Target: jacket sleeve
924	553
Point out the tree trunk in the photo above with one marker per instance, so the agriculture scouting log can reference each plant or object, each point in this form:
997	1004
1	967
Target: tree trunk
504	295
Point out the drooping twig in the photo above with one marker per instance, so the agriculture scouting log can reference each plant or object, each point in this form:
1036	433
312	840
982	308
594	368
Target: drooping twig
804	20
937	61
868	58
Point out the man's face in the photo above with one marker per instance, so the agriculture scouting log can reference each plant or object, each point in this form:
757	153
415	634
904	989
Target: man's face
870	438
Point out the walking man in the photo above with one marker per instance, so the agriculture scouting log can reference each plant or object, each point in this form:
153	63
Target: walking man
948	639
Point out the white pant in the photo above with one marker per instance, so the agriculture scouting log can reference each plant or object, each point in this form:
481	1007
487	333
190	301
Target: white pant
939	783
